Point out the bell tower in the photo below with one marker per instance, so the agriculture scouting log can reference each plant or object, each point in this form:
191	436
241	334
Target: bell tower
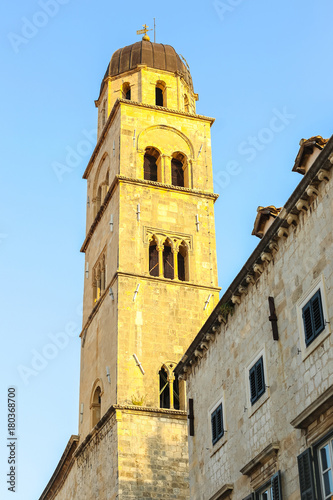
150	276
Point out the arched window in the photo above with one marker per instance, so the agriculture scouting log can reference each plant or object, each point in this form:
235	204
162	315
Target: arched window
186	104
168	261
96	406
126	91
169	388
160	94
177	170
182	263
153	259
151	164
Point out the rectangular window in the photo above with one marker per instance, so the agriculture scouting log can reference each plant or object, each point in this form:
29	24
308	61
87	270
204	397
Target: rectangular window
313	318
325	460
217	424
257	380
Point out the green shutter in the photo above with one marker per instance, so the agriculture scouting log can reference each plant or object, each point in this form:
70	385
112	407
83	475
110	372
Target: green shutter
305	471
276	486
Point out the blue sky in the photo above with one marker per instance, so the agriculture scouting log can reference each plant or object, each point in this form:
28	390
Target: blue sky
262	69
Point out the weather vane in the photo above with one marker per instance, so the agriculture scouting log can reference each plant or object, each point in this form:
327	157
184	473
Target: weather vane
144	32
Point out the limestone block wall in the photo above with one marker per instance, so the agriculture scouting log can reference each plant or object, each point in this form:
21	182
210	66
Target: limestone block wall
153	455
295	376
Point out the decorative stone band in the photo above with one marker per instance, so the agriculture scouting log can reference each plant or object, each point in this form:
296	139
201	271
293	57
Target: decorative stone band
121	178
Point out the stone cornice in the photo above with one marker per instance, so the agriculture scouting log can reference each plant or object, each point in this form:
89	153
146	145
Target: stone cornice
223	492
114	409
112	114
139	182
258	261
269	452
314	410
62	470
141	277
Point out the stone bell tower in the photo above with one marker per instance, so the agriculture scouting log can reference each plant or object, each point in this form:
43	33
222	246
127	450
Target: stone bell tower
150	279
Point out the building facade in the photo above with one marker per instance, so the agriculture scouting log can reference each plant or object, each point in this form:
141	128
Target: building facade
150	280
259	374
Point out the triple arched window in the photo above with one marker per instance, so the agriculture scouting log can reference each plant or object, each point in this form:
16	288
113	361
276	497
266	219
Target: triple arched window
169	259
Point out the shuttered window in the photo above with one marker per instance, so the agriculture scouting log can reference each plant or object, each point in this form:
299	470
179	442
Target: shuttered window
305	472
313	318
257	380
271	490
217	424
276	486
325	459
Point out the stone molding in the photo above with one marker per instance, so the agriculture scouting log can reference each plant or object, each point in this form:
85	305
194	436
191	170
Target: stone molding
314	410
223	492
266	454
139	182
110	119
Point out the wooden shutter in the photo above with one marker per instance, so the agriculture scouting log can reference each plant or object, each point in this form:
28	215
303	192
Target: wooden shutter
168	263
191	416
317	313
307	322
276	486
217	424
153	261
214	427
305	471
260	377
253	386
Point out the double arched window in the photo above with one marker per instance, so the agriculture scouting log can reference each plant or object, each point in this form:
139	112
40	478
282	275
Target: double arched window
154	171
169	259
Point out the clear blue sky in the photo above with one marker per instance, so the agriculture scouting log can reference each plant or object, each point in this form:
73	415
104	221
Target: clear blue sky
250	63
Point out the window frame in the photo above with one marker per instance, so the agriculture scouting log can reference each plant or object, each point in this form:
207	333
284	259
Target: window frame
319	486
252	408
214	447
254	370
218	410
307	349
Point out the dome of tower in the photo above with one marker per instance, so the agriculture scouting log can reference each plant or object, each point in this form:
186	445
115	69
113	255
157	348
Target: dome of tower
153	55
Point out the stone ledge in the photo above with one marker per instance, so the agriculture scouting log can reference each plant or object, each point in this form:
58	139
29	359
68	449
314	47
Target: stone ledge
62	469
269	452
223	492
314	410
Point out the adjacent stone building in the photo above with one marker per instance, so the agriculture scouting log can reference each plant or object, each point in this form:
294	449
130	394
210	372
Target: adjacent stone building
259	374
150	280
